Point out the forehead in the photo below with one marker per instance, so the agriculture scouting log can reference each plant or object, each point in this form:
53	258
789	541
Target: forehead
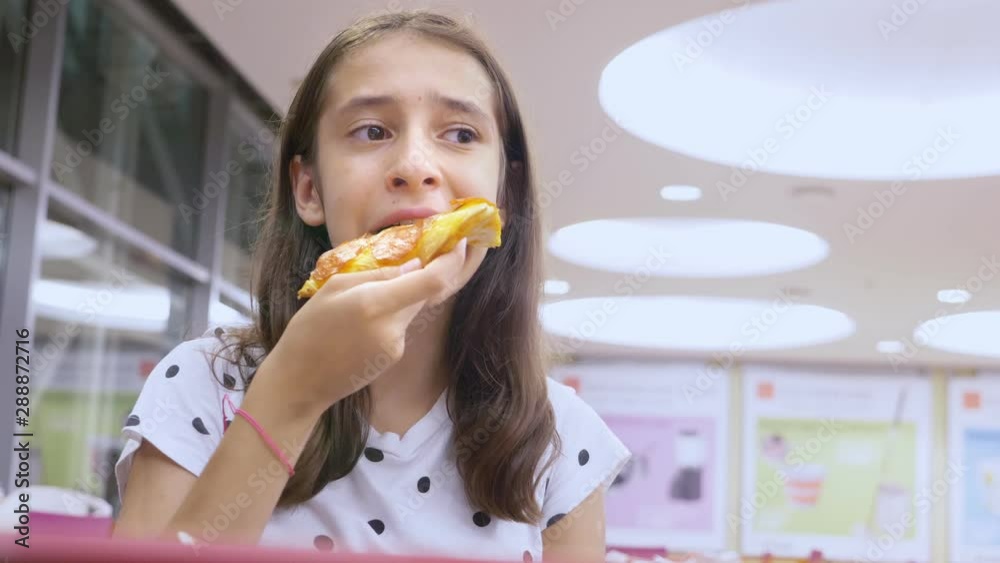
407	65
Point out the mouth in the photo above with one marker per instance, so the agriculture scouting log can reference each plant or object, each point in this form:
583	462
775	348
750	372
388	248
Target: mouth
406	222
408	216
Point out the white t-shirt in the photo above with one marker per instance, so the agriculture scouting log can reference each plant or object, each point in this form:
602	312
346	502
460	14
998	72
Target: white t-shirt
404	496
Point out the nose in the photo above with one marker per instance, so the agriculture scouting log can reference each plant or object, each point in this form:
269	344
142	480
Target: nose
413	167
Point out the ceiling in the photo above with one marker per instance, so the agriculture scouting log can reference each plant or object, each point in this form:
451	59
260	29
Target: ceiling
894	77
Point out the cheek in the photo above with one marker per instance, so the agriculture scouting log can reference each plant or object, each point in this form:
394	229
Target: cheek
345	191
483	181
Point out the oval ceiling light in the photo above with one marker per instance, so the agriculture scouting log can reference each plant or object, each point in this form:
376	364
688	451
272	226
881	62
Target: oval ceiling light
556	287
953	296
890	347
976	333
681	193
63	242
685	247
725	88
695	323
139	307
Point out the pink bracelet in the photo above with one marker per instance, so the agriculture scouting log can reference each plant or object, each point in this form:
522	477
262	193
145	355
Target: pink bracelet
263	434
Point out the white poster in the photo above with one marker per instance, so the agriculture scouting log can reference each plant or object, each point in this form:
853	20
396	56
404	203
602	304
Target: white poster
673	417
837	463
974	446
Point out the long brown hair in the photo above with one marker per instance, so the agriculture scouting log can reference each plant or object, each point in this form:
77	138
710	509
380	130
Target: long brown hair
497	394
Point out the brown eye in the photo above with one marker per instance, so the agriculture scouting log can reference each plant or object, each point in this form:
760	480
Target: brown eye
464	135
370	133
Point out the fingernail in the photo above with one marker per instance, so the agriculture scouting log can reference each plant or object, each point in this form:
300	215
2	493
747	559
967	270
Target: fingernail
410	266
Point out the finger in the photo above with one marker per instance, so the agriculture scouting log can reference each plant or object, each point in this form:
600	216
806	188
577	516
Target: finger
342	282
403	291
474	256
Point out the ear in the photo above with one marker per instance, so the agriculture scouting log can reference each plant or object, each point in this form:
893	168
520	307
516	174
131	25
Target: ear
308	202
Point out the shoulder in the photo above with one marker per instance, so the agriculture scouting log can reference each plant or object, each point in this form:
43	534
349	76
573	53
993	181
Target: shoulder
589	455
566	404
213	350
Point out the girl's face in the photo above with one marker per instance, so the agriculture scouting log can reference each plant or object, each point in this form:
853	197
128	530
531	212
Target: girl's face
408	124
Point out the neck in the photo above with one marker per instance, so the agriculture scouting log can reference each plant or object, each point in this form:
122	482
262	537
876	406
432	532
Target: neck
408	389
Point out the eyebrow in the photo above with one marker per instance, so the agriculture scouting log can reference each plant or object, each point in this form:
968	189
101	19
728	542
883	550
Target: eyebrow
454	104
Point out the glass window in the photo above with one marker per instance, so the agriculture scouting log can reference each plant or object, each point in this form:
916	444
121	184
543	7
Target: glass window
104	316
248	161
5	194
130	133
13	21
227	312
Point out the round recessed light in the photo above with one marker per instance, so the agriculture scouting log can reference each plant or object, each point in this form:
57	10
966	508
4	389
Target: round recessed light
890	347
680	193
683	247
695	323
556	287
953	296
877	117
972	333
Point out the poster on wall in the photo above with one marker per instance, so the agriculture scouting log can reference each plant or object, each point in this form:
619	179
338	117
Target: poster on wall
673	418
836	463
974	447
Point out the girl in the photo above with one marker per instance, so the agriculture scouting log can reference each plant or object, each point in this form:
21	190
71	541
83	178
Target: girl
403	410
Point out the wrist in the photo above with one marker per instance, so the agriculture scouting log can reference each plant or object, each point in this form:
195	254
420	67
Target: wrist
280	410
283	396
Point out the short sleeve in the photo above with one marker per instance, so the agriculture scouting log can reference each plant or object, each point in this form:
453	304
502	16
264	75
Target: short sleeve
591	455
179	410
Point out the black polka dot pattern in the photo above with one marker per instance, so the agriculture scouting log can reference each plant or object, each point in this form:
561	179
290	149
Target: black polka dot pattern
374	454
133	420
199	426
377	525
323	543
424	484
172	371
228	381
552	521
481	519
527	558
583	457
